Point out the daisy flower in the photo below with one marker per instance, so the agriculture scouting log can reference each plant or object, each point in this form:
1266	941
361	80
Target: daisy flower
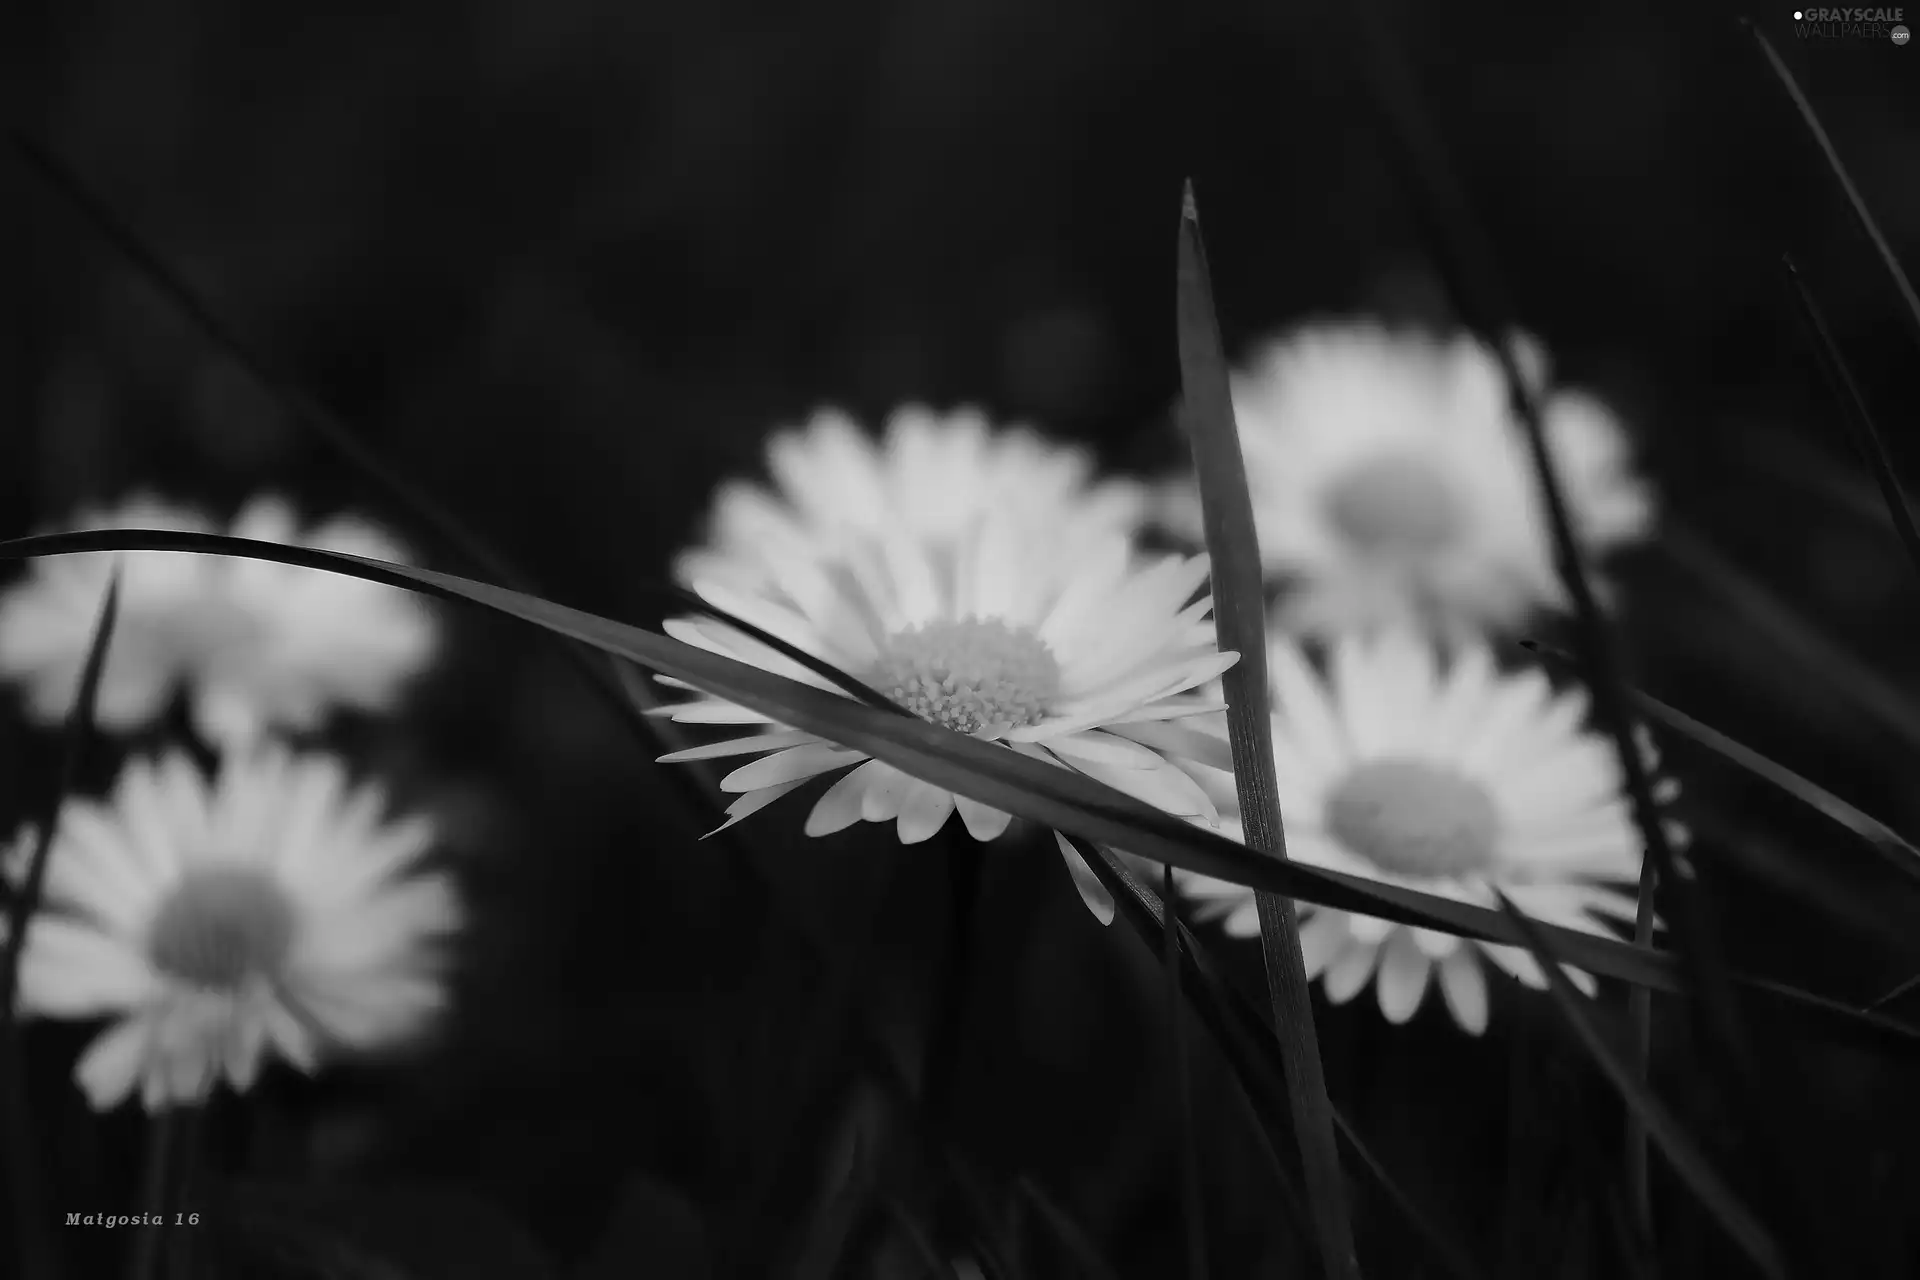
271	911
929	476
1455	782
256	644
1392	483
1067	648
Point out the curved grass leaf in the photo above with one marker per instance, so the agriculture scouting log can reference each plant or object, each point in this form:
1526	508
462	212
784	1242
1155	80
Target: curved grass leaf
1053	796
36	1250
1838	169
1239	615
1867	691
1854	412
1894	849
1072	1239
1656	1121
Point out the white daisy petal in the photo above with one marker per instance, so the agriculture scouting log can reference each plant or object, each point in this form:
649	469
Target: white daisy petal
1093	893
1465	988
982	822
1403	977
840	807
1348	973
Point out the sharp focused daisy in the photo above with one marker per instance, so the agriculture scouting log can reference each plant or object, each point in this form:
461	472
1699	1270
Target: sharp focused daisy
1392	484
929	476
274	910
1455	782
256	644
1009	626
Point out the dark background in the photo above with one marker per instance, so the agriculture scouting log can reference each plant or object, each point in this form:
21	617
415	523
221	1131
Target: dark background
564	265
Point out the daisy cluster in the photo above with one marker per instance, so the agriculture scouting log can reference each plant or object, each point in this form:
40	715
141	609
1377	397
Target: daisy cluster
265	906
986	580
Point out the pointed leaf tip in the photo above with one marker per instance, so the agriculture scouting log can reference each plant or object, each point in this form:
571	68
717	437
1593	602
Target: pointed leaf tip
1189	209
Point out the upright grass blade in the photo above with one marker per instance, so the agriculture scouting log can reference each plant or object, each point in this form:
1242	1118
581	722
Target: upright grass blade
1053	796
915	1235
1865	690
1687	1159
1239	613
1072	1239
1861	215
23	1176
1854	412
1192	1203
1467	265
1244	1035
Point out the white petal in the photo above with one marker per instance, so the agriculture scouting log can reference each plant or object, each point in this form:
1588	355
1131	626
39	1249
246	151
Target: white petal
924	809
795	764
839	808
71	971
1465	988
982	822
109	1068
1348	974
1403	977
1093	893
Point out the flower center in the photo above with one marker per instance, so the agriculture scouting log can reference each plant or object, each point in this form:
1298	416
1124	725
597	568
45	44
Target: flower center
970	675
221	925
1414	819
1394	505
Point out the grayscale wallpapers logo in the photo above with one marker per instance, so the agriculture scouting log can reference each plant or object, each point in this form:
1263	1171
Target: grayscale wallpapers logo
1851	25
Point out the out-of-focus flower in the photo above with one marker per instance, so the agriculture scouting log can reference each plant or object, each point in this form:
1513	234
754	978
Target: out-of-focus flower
275	910
257	645
1010	624
929	477
1455	782
1392	484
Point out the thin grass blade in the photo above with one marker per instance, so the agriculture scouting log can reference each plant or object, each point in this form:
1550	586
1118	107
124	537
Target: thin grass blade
1053	796
1854	411
23	1174
1192	1203
1239	1027
1468	267
1865	690
915	1235
1855	202
1688	1160
1072	1239
1239	613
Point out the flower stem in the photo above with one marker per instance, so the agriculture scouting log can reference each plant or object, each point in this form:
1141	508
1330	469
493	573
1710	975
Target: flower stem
946	1043
163	1137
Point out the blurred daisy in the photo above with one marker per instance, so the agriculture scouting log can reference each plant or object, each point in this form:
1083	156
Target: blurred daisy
271	911
1456	783
1392	483
929	477
257	645
1084	659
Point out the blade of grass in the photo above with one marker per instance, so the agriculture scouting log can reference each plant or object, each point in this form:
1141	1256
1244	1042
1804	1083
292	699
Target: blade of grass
1192	1205
1239	614
1681	1151
1072	1239
1467	265
1243	1033
1053	796
1897	852
911	1231
24	1177
946	1040
1867	441
1868	692
1855	202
